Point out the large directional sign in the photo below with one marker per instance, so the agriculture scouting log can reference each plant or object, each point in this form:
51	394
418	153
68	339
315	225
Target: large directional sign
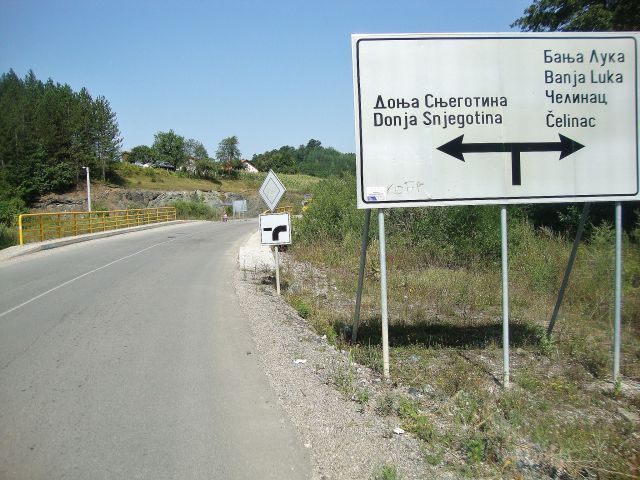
275	229
447	119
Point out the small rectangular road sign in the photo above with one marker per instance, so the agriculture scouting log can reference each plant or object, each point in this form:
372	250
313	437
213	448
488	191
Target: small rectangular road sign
447	119
275	229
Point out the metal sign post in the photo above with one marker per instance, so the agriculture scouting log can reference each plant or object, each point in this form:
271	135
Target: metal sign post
505	298
383	294
363	261
276	228
567	272
277	253
617	316
88	190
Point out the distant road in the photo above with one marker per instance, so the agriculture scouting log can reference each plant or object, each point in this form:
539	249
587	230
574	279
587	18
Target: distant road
128	357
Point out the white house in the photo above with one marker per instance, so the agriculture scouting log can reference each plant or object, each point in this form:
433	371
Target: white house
248	166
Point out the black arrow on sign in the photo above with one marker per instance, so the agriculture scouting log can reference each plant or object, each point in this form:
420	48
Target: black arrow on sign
457	149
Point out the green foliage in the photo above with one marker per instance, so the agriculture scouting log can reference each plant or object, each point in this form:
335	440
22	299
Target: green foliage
311	159
343	378
142	154
386	472
580	15
48	132
452	235
8	236
282	160
301	307
195	149
195	209
332	213
475	448
228	155
385	404
414	421
170	148
362	396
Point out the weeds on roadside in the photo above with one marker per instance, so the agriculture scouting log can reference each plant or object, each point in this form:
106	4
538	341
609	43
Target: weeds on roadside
386	472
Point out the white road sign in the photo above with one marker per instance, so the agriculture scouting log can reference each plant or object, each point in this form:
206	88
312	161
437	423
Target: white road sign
275	229
272	190
447	119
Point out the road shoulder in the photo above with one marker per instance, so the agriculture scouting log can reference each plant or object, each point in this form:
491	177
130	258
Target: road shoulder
345	439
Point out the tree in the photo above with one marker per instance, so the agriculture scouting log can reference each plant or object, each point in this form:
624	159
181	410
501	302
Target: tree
282	160
107	141
142	154
580	15
170	148
47	132
228	154
195	149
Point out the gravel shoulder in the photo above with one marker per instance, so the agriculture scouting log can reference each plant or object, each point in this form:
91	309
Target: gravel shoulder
346	439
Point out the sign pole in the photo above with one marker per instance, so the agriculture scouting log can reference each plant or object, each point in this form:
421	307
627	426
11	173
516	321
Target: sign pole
277	269
88	190
383	294
505	298
618	295
567	272
363	260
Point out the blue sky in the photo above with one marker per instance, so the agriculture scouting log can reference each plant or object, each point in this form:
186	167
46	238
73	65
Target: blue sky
271	72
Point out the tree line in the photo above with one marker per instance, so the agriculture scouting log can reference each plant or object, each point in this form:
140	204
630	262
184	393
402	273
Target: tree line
310	159
170	150
48	132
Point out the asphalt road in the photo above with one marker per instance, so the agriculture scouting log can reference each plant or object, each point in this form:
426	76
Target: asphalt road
128	357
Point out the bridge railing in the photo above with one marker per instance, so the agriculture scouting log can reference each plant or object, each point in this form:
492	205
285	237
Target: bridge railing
286	209
37	227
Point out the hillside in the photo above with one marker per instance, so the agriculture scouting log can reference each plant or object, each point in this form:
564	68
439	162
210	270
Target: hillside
138	187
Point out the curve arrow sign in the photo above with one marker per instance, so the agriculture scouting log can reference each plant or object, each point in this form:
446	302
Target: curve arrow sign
456	148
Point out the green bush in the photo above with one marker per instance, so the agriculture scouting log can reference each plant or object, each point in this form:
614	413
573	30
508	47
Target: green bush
10	208
332	214
8	236
447	235
195	210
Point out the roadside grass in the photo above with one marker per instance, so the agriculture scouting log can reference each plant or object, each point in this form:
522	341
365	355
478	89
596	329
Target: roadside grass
561	416
386	472
159	179
195	210
247	184
8	236
133	176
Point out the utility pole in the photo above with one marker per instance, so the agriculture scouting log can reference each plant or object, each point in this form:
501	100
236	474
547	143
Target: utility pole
88	189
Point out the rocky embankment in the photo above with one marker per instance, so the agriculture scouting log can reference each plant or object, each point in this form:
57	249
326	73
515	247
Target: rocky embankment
111	198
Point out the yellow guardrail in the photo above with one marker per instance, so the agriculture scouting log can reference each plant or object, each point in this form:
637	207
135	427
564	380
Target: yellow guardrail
36	227
286	209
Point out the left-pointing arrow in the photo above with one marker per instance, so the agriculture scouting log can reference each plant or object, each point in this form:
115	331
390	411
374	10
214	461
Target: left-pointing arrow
456	148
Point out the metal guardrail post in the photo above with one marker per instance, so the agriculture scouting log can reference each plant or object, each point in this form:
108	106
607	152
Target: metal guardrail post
20	235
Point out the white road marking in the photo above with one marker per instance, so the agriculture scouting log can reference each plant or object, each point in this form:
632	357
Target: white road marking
92	271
